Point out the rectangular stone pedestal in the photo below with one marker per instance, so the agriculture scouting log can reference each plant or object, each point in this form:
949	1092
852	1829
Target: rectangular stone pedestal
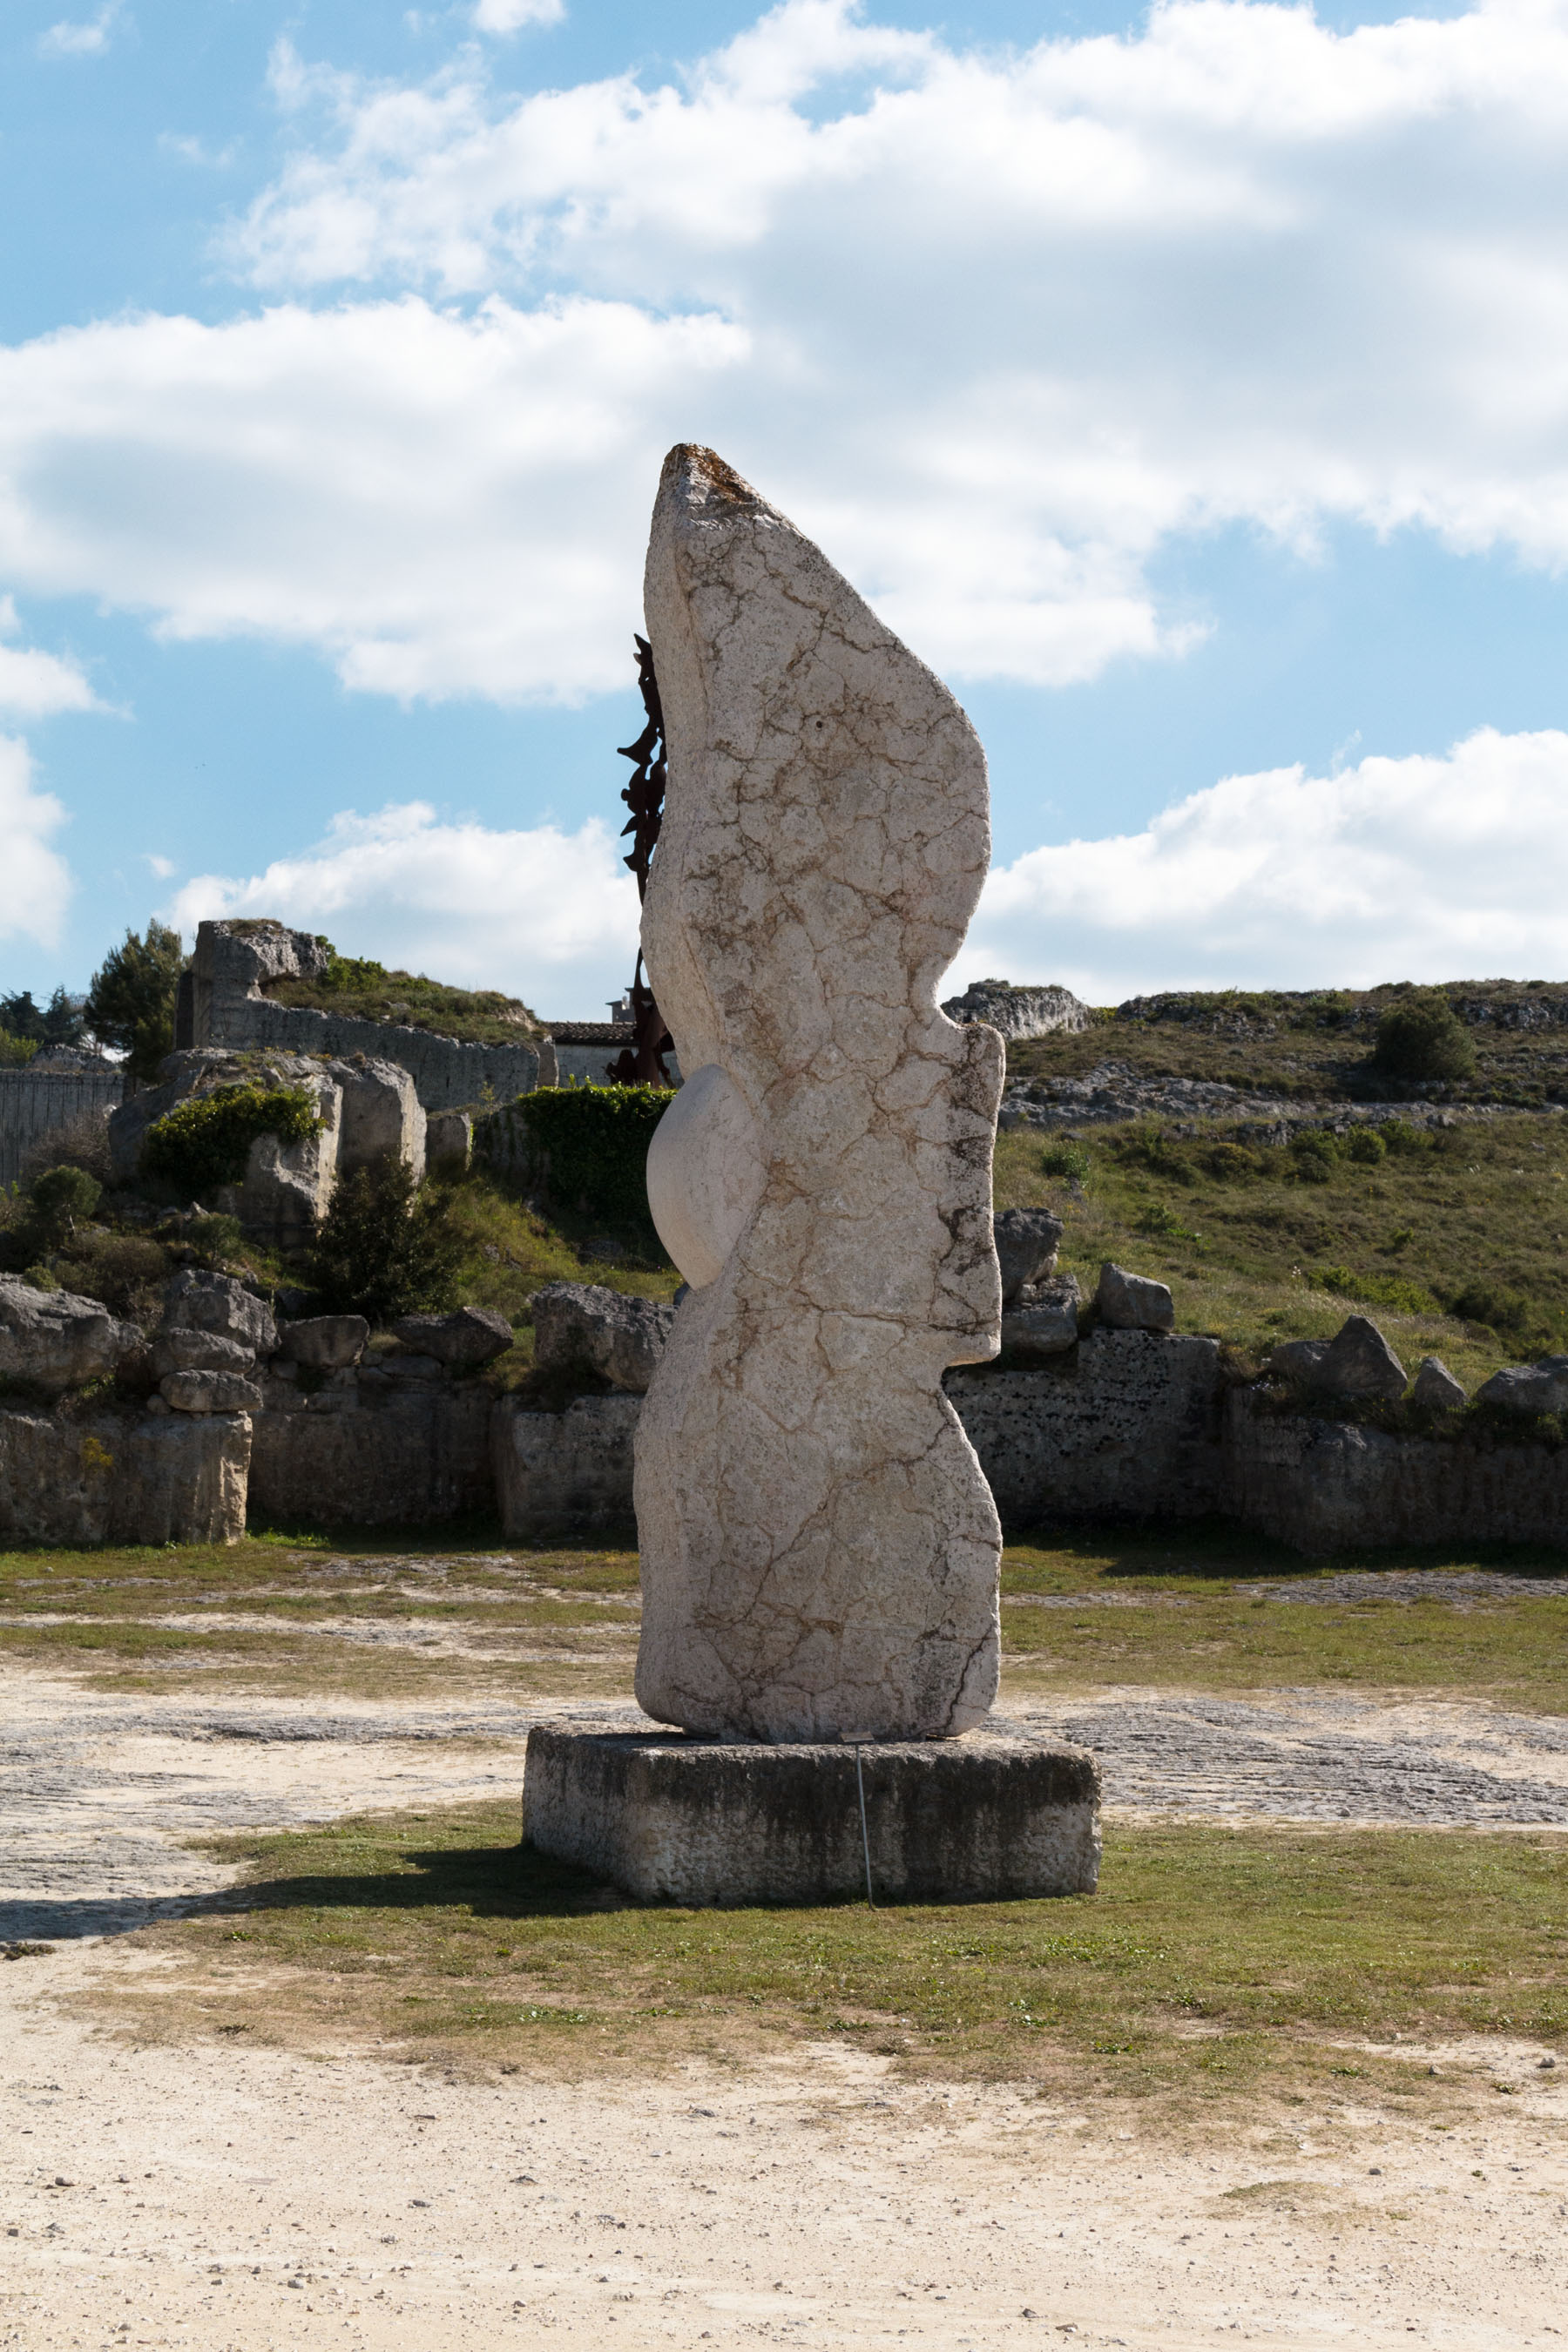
668	1819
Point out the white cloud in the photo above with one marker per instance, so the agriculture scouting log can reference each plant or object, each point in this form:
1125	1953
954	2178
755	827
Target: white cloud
443	505
1417	868
35	685
994	326
81	40
161	866
38	879
512	16
549	916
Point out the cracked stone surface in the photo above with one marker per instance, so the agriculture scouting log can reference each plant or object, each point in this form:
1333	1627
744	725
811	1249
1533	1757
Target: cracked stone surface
819	1548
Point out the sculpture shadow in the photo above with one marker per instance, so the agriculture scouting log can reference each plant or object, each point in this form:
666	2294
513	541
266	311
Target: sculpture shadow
510	1881
1224	1552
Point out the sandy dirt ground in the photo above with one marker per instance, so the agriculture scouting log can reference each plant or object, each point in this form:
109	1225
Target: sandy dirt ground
228	2200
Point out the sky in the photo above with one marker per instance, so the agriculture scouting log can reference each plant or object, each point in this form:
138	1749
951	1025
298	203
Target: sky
1189	387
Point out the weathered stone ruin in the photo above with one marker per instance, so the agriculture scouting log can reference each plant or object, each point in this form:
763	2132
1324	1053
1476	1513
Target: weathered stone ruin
226	1005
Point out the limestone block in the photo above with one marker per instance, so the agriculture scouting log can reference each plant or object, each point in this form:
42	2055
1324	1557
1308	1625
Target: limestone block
1299	1361
288	1187
619	1337
381	1119
180	1351
210	1393
1027	1241
1018	1013
1044	1322
449	1140
1328	1486
991	1817
54	1341
217	1302
419	1455
819	1549
567	1473
1435	1385
1124	1427
1359	1363
468	1337
1540	1387
326	1341
412	1371
1131	1302
147	1479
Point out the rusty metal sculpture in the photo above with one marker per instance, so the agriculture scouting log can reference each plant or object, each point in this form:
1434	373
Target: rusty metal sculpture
642	1063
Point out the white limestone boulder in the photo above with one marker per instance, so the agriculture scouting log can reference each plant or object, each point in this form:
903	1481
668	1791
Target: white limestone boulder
1132	1302
52	1341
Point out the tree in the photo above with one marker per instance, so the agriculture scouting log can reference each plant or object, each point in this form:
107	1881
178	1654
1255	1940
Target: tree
384	1247
1422	1036
131	1000
20	1018
63	1019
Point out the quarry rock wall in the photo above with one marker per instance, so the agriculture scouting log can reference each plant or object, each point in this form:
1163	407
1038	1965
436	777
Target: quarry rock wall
32	1102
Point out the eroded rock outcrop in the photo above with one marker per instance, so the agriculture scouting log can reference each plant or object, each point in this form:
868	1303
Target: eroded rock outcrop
819	1548
52	1341
584	1323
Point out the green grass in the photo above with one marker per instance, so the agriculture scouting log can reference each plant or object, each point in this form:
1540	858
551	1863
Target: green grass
1456	1249
1211	1961
1199	1629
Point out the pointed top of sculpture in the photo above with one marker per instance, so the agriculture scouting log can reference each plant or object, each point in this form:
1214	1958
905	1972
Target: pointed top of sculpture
700	481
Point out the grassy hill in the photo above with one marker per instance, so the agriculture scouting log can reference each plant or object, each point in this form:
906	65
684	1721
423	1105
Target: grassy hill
1452	1237
1317	1044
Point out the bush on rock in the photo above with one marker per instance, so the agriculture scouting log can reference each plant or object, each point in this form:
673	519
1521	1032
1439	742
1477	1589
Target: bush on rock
206	1142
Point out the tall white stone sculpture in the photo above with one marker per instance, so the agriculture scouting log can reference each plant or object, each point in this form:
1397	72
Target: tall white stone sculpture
819	1547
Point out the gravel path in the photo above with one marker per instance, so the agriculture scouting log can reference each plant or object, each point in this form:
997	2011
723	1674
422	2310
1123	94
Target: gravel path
99	1790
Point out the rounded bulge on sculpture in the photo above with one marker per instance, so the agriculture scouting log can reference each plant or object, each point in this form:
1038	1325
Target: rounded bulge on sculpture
705	1174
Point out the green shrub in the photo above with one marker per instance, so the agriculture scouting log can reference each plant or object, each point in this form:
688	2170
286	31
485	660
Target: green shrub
591	1143
1366	1147
1232	1163
1400	1136
386	1248
1146	1145
1070	1162
1498	1308
1315	1154
1423	1037
59	1197
16	1053
206	1140
1390	1290
353	972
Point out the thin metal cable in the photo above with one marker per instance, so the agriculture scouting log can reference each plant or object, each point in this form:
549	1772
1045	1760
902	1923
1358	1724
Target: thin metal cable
865	1834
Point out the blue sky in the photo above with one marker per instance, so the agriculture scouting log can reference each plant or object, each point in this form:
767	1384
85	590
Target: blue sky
1190	390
